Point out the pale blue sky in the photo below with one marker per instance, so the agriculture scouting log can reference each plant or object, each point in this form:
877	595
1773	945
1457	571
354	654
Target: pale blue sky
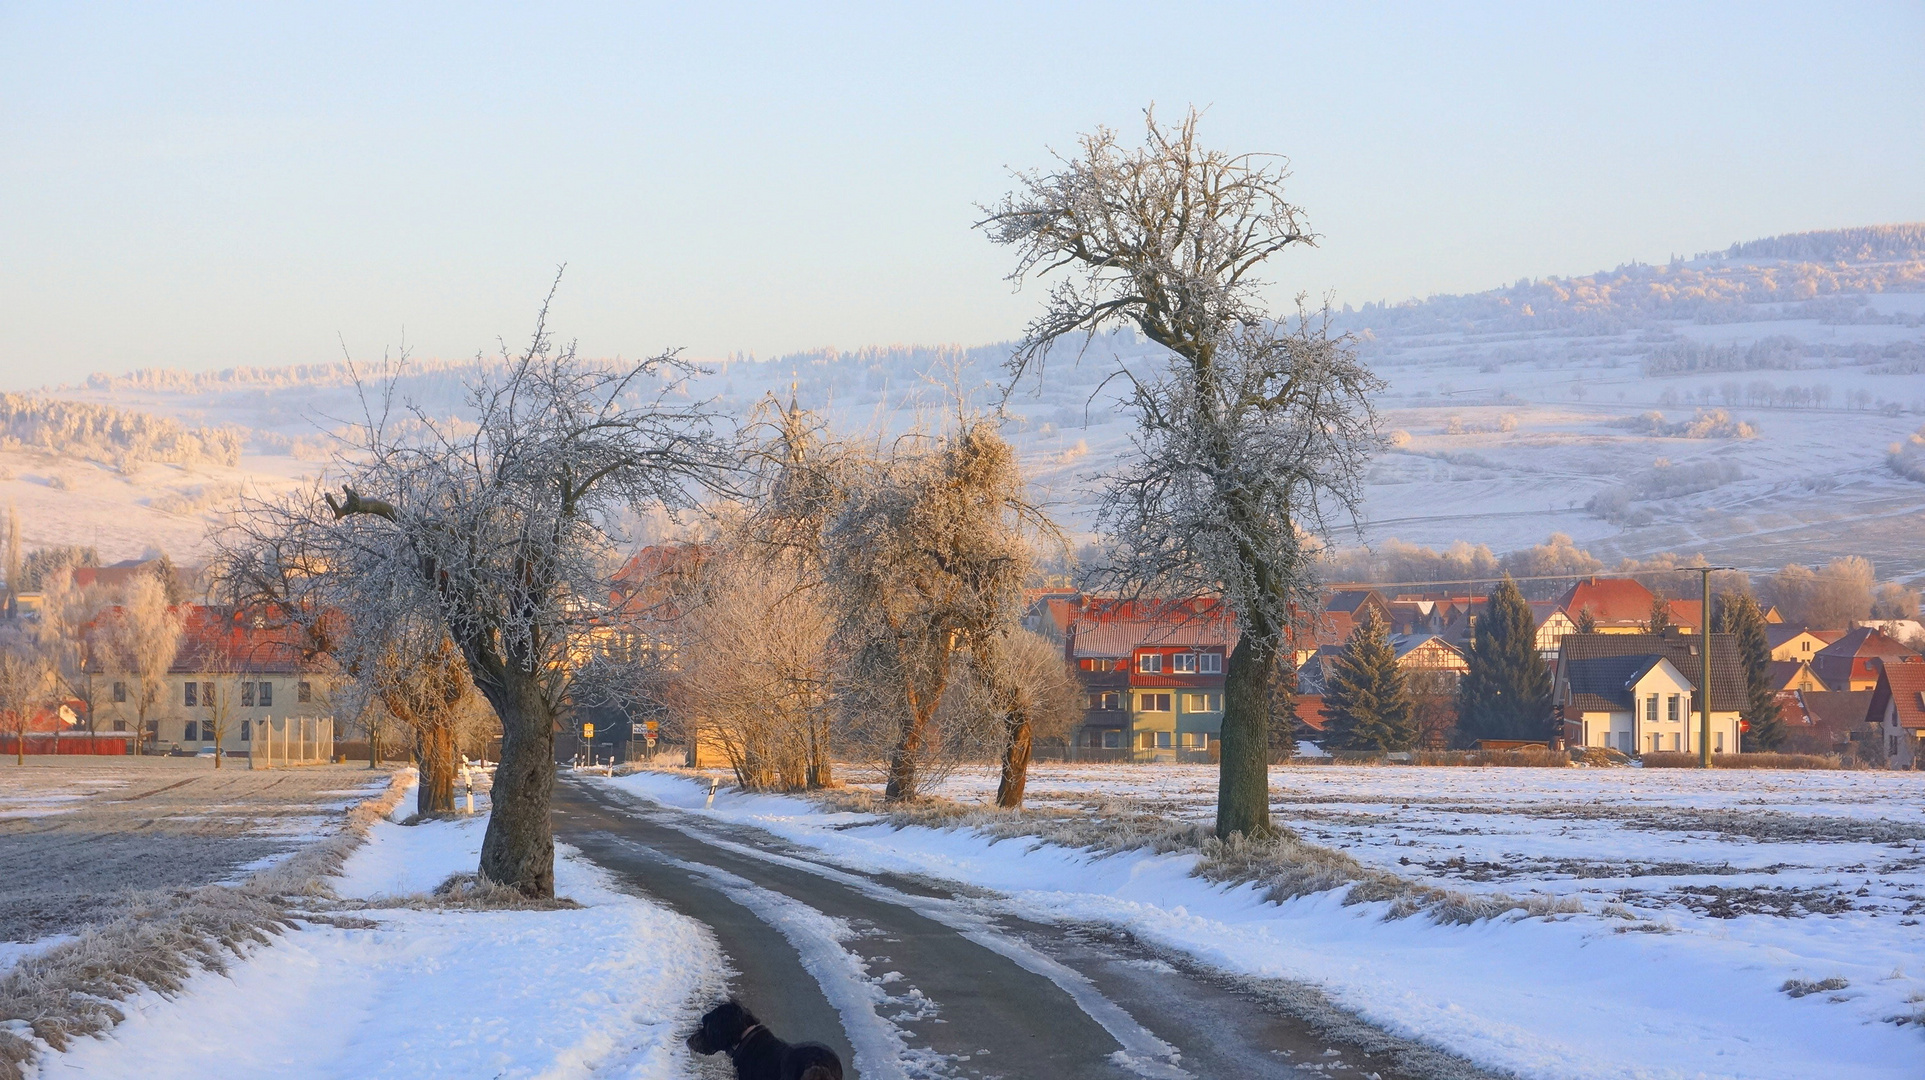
203	185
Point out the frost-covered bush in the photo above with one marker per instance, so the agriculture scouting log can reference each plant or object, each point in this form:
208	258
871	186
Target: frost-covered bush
1907	458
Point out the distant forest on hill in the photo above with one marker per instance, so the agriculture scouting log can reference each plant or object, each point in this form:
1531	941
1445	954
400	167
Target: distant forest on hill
119	437
1819	275
1869	244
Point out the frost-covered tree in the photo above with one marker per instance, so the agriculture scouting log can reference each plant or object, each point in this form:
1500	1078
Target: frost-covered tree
927	554
1252	434
25	679
503	526
146	637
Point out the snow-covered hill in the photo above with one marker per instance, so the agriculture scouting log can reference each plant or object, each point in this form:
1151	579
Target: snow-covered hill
1742	403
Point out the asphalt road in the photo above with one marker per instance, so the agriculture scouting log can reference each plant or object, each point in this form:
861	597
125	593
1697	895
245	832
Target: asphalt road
914	978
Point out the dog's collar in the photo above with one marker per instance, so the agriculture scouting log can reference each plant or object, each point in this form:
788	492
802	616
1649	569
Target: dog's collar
750	1030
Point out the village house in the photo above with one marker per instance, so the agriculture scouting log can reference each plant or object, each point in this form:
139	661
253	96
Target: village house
1152	675
231	673
1824	721
1898	708
1851	662
1637	693
1796	643
1791	676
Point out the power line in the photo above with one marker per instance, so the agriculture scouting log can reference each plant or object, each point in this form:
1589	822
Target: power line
1628	576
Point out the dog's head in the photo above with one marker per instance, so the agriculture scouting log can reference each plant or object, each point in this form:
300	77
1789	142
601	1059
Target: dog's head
722	1028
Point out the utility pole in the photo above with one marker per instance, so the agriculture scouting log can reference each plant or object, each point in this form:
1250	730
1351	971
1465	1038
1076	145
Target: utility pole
1704	657
1704	697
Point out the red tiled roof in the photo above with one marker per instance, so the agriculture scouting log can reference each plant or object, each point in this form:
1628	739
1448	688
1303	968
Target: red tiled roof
1902	685
1104	627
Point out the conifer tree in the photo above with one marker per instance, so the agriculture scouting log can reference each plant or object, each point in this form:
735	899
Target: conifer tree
1507	692
1366	697
1586	621
1739	616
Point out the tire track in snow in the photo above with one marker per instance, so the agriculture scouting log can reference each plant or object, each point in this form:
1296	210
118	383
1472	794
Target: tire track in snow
1142	1053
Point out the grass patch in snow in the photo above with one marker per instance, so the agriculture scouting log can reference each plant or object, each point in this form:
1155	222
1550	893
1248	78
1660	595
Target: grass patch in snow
1669	759
1284	865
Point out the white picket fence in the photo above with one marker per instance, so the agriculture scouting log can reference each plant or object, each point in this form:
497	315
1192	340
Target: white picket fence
291	741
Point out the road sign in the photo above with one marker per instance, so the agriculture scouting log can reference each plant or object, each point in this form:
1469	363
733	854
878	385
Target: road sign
650	725
588	731
651	743
638	728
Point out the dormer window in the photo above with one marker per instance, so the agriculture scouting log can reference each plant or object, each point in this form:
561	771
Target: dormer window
1150	662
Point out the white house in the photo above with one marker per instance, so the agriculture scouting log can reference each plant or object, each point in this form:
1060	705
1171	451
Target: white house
1637	693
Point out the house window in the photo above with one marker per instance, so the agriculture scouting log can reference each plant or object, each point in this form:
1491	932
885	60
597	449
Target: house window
1107	702
1183	663
1654	742
1651	708
247	693
247	731
193	732
1162	740
120	725
304	692
267	693
1199	740
1671	708
1202	702
1150	661
1153	703
1210	663
191	694
207	694
1112	740
120	691
1718	746
1145	740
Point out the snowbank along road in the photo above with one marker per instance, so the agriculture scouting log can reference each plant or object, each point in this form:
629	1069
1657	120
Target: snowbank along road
911	978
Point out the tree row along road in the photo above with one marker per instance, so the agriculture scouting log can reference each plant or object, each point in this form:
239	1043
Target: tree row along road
911	979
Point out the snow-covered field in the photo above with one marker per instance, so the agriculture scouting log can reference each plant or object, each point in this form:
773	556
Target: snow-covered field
606	990
1706	897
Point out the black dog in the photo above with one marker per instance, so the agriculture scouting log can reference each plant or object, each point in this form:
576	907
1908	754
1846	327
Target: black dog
758	1055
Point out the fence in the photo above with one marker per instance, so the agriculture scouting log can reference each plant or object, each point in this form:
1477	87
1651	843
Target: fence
291	741
68	742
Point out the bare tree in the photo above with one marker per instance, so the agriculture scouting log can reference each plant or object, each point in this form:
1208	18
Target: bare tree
1252	437
25	679
1035	695
220	704
69	635
146	638
927	555
1831	597
754	679
502	526
422	681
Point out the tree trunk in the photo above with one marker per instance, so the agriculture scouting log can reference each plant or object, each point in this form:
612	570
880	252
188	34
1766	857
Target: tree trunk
374	746
1243	785
907	754
519	848
1009	793
435	747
